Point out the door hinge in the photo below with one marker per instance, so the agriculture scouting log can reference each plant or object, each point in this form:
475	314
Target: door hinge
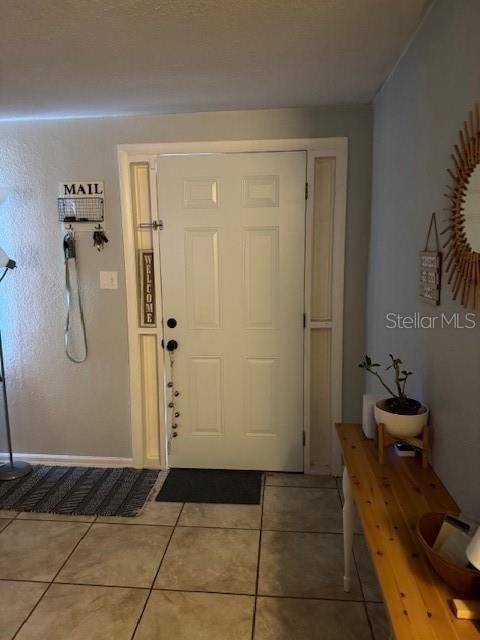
155	225
304	438
306	190
304	320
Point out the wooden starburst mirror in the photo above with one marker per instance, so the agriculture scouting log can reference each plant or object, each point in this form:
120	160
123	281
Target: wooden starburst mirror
462	258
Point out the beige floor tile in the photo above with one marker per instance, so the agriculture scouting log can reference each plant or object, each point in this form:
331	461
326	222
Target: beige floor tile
235	516
196	616
17	599
379	621
7	514
35	550
296	509
368	576
56	517
161	513
220	560
286	619
117	555
303	565
300	480
85	613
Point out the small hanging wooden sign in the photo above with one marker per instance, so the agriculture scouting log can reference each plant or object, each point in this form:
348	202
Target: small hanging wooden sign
147	289
431	269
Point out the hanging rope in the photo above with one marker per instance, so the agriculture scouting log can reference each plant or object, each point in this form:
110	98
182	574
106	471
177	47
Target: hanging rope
172	433
75	335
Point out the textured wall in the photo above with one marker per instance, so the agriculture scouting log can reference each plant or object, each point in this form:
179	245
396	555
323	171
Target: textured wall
61	408
417	117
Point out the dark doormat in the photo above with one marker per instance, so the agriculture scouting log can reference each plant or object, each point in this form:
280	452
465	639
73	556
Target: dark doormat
79	491
212	485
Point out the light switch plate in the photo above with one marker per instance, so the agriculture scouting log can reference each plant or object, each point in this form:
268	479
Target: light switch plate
108	279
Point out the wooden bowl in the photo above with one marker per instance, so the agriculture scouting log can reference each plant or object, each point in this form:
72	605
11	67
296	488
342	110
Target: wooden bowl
464	581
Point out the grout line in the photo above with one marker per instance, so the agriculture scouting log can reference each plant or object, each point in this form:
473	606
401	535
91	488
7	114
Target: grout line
296	486
316	598
90	525
355	563
135	524
204	526
254	617
230	593
369	622
323	533
55	520
6	526
156	573
25	580
260	595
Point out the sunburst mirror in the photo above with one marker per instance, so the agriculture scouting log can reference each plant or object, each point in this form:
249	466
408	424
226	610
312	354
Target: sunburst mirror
462	246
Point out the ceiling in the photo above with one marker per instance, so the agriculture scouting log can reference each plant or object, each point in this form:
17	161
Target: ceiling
103	57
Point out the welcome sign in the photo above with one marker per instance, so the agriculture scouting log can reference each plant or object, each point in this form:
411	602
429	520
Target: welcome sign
147	289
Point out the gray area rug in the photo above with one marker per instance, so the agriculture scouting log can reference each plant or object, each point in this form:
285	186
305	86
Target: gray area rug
79	491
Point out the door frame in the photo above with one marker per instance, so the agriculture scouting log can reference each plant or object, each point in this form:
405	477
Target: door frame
315	148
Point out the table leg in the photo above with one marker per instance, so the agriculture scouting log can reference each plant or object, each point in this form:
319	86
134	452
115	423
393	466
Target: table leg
348	510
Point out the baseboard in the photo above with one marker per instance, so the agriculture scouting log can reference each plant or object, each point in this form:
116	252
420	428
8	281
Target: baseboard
152	463
70	461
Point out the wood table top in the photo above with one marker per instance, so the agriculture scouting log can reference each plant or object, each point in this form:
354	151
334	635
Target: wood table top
390	499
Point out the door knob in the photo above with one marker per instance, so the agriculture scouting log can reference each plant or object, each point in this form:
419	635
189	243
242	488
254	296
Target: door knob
171	323
172	345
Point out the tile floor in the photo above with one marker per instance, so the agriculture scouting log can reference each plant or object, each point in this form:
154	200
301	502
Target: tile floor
197	571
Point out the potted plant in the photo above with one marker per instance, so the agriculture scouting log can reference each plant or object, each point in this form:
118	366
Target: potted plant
402	416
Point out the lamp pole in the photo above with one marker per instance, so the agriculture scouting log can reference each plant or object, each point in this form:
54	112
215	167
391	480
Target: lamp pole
13	469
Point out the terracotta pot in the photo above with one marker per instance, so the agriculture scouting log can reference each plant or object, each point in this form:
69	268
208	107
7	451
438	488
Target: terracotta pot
401	426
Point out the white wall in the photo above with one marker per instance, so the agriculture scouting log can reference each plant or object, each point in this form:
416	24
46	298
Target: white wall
62	408
417	118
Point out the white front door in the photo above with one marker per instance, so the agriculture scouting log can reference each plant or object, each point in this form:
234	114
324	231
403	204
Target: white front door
232	268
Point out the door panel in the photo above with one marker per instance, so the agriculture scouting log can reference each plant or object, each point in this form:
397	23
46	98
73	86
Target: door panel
232	263
202	278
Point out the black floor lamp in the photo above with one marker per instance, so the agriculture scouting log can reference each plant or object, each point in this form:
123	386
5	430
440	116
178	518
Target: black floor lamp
13	469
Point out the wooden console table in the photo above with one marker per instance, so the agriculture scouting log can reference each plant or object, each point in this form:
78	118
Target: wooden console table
390	499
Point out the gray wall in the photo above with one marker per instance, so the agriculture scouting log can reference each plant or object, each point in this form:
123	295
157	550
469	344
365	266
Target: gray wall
61	408
417	117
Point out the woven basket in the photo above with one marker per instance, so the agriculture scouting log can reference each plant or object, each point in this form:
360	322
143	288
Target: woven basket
463	580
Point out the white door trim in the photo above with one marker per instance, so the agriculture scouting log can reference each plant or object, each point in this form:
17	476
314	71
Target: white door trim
315	148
